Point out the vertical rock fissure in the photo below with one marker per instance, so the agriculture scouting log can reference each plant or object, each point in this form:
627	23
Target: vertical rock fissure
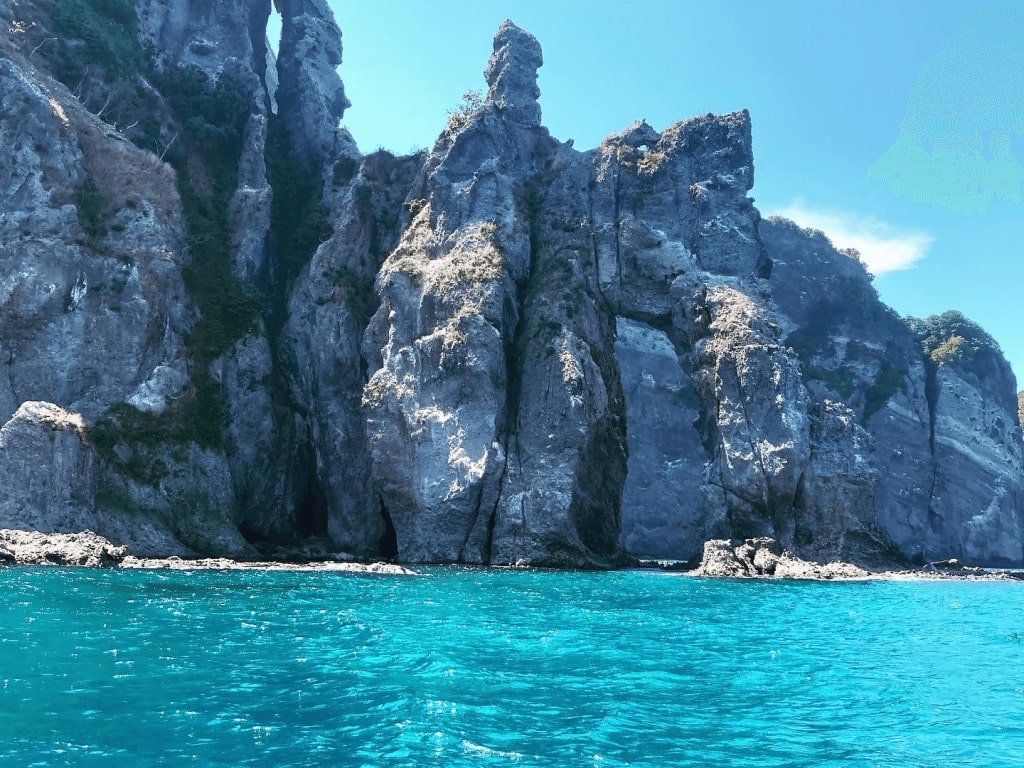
617	213
10	377
754	448
492	521
298	221
599	532
529	205
259	16
388	539
471	528
931	394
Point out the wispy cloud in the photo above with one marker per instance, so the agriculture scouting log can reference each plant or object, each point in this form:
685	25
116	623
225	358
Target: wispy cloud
883	247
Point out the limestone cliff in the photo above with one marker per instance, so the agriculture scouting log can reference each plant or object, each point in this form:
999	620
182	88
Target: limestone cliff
227	331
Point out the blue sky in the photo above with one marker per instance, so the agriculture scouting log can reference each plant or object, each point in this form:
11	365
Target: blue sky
897	127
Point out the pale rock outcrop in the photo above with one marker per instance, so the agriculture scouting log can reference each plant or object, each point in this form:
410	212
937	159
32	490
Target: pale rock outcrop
83	548
976	510
761	432
100	311
202	33
677	246
765	557
487	412
92	303
566	451
46	471
54	484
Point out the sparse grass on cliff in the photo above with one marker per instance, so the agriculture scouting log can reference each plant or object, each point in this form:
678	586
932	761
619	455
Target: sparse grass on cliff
461	114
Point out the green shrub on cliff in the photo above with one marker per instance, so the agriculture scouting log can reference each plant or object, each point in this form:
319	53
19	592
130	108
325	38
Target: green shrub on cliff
92	210
97	34
461	114
206	157
950	338
299	221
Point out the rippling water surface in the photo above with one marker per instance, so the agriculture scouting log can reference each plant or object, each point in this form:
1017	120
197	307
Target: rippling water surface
490	667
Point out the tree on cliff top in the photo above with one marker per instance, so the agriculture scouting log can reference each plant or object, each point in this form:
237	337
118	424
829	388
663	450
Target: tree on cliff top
951	338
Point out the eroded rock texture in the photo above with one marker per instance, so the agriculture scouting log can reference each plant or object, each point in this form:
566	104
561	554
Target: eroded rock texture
226	331
943	444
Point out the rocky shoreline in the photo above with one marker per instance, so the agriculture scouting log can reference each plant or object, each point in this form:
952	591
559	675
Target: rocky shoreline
762	558
89	550
765	558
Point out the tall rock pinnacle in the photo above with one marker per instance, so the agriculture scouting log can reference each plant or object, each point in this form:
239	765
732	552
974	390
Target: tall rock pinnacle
512	73
311	96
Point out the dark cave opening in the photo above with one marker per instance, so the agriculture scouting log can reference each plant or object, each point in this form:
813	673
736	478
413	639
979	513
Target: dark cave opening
311	513
253	535
388	539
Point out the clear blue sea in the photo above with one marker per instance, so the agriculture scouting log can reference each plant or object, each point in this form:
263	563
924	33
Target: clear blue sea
493	667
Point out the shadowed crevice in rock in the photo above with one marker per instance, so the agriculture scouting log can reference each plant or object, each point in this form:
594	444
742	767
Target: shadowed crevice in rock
311	513
388	539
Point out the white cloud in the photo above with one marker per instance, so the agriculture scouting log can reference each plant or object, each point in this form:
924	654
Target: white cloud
883	247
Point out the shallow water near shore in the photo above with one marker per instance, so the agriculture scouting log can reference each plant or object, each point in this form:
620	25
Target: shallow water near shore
462	667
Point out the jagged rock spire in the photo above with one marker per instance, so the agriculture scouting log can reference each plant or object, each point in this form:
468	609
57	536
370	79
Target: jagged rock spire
512	73
311	96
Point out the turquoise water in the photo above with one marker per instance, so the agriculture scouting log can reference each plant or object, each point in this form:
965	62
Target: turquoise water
489	667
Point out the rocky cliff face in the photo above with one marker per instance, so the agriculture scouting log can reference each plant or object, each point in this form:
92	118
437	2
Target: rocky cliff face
227	331
935	398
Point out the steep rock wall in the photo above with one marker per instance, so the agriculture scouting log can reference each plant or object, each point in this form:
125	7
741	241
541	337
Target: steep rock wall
945	445
243	335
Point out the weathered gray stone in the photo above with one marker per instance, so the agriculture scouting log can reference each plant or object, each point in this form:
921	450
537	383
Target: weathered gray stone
662	507
512	74
81	548
946	464
764	557
46	471
209	34
89	312
328	313
310	95
508	351
976	509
